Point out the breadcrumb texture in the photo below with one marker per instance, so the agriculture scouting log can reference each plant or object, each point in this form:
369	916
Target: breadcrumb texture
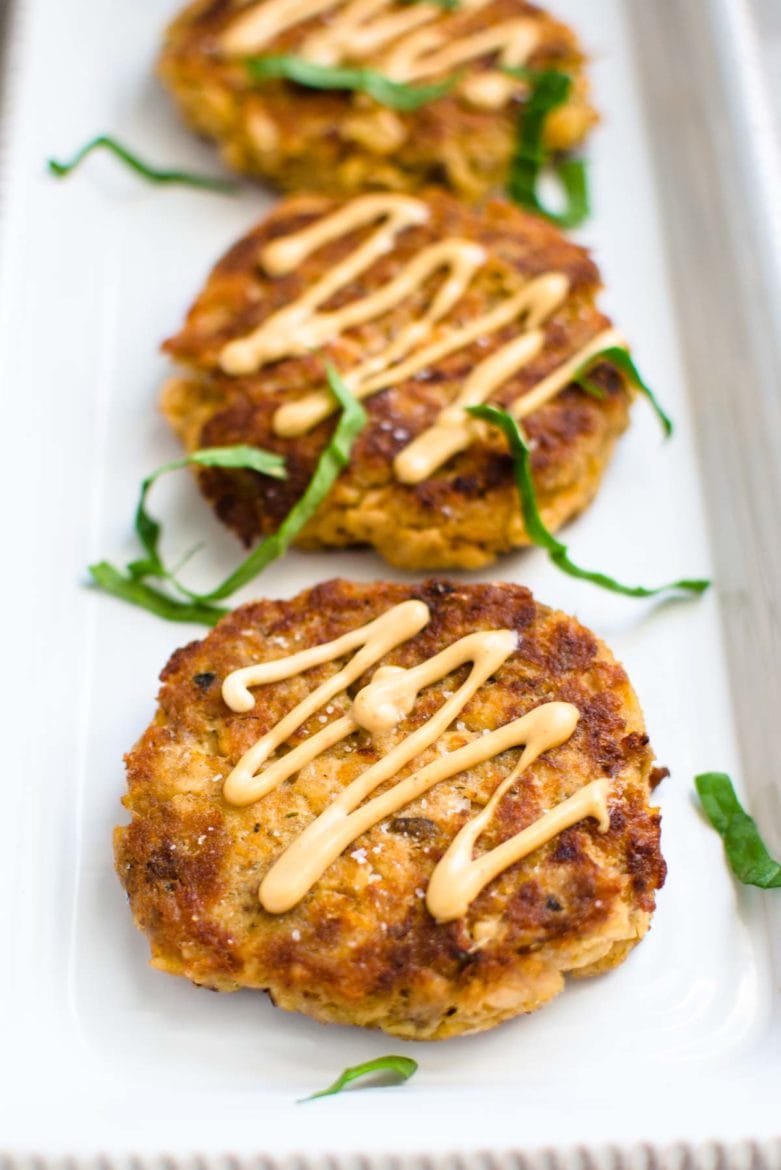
361	948
465	514
341	142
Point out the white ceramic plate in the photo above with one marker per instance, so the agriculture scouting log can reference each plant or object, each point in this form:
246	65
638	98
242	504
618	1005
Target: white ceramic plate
101	1054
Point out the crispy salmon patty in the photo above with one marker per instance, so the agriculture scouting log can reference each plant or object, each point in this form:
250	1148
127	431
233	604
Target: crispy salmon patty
362	947
465	512
341	141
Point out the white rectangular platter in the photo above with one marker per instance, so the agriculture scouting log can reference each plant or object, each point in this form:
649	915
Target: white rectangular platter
679	1047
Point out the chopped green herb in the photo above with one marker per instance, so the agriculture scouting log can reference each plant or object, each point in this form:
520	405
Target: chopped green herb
535	528
153	174
199	607
394	94
448	5
617	356
746	852
149	530
401	1069
136	592
334	459
548	89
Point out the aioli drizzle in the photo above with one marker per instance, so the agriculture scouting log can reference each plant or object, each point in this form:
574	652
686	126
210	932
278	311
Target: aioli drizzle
303	325
404	42
390	696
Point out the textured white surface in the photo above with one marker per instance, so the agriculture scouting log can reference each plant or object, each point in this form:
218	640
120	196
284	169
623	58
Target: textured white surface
101	1052
768	17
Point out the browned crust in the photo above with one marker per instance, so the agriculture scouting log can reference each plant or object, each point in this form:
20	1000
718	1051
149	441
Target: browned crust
304	139
467	513
364	952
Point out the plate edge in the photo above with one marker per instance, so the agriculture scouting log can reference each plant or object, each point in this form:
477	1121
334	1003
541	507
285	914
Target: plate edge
745	1155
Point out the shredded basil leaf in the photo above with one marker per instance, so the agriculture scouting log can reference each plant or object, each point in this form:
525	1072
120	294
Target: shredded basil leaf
394	94
136	592
448	5
149	530
617	356
133	587
401	1067
153	174
334	459
573	179
548	89
535	528
746	852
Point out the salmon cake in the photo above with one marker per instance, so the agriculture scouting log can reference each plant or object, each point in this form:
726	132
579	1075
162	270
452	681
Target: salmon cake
221	61
414	808
424	306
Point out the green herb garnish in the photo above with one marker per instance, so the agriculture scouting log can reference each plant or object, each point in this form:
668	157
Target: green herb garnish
153	174
548	89
394	94
149	530
620	358
334	459
132	585
537	532
137	592
401	1068
746	851
448	5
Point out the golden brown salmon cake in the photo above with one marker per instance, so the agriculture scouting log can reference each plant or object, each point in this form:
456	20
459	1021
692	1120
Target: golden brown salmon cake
386	931
341	141
415	301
